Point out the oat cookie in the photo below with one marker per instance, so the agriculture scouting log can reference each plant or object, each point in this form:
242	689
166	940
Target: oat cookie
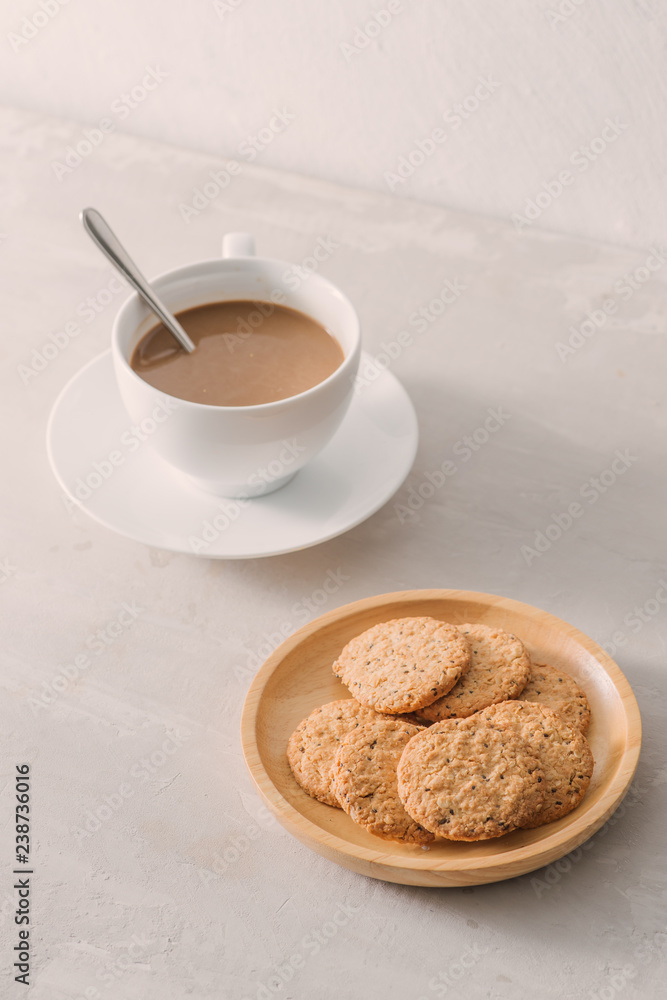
562	750
312	745
412	718
499	669
465	780
365	780
404	664
560	692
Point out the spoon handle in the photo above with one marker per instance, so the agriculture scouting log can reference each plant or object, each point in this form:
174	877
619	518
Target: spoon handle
101	234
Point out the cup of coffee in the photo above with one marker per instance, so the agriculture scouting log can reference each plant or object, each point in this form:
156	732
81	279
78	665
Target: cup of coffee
268	383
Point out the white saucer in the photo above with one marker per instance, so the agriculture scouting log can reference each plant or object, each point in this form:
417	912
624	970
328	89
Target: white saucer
146	500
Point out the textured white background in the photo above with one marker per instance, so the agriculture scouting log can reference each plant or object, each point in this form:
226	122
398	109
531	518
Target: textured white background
187	889
563	67
169	897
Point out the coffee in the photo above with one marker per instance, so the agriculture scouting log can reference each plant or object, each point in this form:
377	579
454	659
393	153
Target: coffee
246	353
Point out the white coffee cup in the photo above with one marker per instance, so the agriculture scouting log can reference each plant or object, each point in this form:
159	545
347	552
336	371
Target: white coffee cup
239	451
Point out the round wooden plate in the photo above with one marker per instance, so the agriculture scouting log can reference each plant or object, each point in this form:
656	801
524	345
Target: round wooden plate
297	677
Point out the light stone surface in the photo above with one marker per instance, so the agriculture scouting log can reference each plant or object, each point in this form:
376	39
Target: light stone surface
519	92
185	887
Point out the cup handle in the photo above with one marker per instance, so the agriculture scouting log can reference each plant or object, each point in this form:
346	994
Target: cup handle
238	245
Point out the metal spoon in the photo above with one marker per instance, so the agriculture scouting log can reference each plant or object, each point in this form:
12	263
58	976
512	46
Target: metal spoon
100	233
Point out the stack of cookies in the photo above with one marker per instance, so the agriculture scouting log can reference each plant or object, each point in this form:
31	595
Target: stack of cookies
451	733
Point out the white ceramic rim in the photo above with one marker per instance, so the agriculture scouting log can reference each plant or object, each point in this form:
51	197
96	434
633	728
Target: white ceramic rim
161	281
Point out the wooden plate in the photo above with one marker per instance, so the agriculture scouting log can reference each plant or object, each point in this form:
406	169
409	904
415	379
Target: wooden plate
297	677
